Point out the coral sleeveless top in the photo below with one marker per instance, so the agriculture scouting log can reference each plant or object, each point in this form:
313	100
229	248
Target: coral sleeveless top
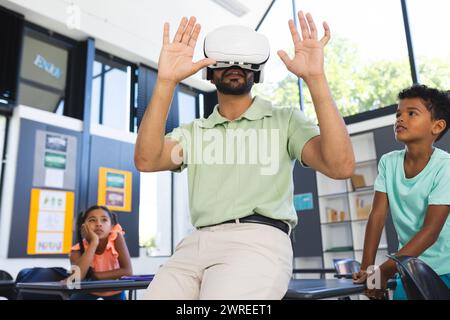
108	260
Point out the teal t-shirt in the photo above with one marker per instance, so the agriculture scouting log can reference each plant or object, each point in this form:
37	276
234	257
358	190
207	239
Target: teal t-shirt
409	200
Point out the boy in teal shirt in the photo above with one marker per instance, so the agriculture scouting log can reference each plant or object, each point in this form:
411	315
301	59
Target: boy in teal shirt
414	184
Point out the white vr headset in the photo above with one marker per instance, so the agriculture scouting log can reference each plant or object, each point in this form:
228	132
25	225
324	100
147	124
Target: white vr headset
236	46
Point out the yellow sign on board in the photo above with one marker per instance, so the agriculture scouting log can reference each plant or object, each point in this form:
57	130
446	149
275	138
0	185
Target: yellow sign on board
50	223
114	189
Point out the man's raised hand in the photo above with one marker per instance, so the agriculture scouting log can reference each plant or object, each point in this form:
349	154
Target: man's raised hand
309	55
175	61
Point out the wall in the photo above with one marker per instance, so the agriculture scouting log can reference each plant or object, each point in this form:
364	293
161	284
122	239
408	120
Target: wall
111	153
306	236
132	30
23	115
307	241
24	182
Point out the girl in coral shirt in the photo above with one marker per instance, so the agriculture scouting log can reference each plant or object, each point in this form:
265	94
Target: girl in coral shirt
101	252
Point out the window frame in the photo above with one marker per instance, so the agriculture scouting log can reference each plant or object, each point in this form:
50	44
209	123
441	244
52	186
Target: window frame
106	58
193	92
188	90
52	38
415	77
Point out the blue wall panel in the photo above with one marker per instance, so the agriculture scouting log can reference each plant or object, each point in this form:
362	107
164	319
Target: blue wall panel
23	184
117	155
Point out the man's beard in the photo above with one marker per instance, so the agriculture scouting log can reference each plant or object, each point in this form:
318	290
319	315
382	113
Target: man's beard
229	89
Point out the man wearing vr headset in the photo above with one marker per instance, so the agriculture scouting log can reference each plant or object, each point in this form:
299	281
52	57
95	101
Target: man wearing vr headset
243	216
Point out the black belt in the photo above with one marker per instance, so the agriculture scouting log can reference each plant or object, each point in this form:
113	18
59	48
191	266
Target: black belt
257	218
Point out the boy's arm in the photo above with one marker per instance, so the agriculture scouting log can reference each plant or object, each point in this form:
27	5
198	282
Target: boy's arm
434	221
331	153
153	151
374	229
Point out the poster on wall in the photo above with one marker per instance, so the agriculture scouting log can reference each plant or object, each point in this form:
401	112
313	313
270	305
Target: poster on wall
303	202
54	160
50	222
114	189
56	142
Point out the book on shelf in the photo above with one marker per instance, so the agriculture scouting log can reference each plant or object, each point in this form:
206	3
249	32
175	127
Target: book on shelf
334	216
358	181
363	209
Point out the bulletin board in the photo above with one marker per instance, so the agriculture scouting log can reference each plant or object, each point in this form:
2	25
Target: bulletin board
120	156
114	189
50	222
35	139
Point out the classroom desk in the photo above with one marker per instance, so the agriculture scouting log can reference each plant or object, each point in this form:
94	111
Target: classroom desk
299	289
61	289
308	289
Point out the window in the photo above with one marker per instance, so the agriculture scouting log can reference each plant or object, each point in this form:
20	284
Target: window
155	213
366	61
201	105
11	24
3	124
187	107
428	22
187	110
113	93
43	74
279	85
159	232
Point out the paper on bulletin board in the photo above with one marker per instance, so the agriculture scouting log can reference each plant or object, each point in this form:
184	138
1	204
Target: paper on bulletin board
114	189
50	224
303	201
55	159
54	178
56	142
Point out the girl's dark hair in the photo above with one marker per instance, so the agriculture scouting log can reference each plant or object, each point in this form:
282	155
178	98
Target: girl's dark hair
436	101
82	218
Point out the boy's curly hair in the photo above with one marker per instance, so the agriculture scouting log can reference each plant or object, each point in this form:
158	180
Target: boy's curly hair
436	101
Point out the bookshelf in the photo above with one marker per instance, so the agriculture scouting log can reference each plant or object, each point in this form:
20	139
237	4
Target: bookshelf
344	206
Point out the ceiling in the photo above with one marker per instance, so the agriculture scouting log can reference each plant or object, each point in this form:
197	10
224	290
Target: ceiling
132	29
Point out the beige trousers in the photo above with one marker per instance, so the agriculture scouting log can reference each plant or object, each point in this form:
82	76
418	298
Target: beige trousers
229	261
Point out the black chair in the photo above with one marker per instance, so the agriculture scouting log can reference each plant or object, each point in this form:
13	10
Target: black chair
40	275
344	270
4	275
346	267
8	291
420	281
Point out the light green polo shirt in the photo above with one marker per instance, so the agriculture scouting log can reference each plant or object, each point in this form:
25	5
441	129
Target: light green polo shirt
409	200
240	167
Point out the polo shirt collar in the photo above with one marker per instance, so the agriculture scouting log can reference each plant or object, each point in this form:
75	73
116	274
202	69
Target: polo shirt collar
259	109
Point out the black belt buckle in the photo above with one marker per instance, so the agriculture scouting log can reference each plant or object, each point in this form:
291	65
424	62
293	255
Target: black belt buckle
257	218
